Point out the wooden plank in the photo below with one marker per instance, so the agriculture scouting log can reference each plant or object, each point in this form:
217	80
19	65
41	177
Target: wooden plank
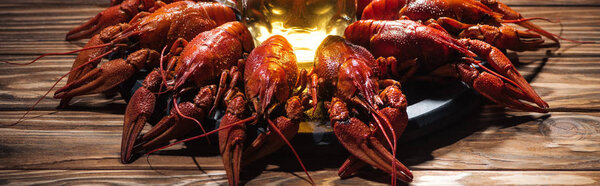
493	146
514	141
490	140
427	177
506	177
111	177
324	177
84	140
78	140
566	83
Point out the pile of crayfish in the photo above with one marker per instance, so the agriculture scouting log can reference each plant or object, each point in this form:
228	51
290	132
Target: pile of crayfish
200	49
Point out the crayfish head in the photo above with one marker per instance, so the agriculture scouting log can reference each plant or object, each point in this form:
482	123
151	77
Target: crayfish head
267	87
355	76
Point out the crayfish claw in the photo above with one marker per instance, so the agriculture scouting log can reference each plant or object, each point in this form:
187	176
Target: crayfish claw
139	109
359	140
504	37
356	137
509	14
269	142
184	117
111	16
497	90
168	128
231	140
491	83
108	75
350	166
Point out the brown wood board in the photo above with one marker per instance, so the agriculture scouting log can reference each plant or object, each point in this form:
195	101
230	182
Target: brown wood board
491	146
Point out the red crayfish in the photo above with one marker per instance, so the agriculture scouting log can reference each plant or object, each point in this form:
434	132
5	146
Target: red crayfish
417	48
474	19
150	32
347	76
273	86
202	61
120	11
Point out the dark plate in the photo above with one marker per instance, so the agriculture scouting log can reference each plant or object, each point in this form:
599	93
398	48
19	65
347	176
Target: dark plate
432	106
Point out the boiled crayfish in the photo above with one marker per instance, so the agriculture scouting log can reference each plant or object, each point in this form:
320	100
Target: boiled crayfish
120	11
473	19
206	59
347	75
417	48
147	33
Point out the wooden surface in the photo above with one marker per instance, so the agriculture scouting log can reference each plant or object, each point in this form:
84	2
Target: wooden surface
493	145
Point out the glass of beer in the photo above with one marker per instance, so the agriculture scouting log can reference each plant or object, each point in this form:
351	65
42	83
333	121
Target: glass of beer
304	23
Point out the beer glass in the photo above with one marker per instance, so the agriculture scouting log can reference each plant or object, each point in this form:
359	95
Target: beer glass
304	23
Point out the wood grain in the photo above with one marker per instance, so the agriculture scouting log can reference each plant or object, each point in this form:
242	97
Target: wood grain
187	177
493	145
492	140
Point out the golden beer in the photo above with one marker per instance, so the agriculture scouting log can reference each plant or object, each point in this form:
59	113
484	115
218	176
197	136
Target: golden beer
304	23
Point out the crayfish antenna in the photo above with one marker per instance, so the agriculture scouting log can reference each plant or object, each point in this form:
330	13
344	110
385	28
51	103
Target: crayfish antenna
272	125
163	73
251	118
58	53
569	40
56	83
187	117
527	19
164	79
525	22
533	27
376	113
72	72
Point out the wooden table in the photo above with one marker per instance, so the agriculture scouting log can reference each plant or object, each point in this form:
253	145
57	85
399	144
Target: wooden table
492	145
